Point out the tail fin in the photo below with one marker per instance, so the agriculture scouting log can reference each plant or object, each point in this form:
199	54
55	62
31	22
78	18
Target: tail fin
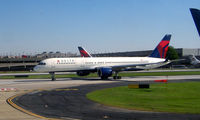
161	50
83	52
196	17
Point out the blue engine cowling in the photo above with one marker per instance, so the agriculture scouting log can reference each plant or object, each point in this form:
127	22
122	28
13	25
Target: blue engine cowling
104	73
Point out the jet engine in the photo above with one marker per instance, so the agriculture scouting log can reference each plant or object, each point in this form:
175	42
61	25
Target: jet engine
104	73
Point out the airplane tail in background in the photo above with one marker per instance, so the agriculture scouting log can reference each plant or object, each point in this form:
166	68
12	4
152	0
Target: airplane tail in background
196	17
83	52
193	60
161	50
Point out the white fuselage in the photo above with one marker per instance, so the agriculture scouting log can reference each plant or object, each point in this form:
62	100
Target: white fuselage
81	63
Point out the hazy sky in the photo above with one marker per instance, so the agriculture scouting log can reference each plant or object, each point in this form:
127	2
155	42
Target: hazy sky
34	26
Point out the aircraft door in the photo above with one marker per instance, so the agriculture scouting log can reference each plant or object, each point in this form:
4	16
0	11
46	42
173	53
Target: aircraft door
82	63
53	65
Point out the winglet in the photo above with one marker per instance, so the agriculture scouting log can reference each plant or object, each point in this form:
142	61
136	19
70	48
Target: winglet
83	52
161	50
196	17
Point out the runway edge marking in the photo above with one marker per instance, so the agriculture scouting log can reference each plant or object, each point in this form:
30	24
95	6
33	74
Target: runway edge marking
10	102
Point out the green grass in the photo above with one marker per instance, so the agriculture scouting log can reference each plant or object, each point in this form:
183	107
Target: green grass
169	97
124	74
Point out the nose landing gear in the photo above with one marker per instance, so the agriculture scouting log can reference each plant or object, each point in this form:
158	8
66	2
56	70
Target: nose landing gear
52	76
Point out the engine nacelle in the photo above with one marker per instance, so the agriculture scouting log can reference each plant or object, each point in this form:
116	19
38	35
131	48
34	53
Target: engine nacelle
104	73
82	73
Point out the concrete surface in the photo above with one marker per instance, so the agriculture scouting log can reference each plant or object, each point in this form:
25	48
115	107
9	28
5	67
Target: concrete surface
23	85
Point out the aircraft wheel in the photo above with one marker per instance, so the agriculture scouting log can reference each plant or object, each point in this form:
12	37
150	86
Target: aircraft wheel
117	77
53	79
104	78
52	76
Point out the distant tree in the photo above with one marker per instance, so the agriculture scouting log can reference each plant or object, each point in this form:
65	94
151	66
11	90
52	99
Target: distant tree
171	53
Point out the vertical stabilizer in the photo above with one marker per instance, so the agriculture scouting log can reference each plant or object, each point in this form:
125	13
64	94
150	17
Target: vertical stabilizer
161	50
83	52
196	17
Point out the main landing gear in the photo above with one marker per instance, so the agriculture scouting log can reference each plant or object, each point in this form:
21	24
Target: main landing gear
116	76
52	76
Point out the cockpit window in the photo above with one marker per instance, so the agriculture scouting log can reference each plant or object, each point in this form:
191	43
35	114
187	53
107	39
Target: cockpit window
42	63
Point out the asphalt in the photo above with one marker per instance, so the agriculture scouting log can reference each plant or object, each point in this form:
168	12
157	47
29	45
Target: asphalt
67	103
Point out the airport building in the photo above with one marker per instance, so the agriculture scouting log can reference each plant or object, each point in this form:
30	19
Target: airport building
55	55
182	52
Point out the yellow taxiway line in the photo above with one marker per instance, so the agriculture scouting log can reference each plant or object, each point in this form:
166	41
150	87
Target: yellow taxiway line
10	102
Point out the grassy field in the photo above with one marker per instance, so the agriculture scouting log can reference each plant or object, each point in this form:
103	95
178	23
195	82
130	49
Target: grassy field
168	97
124	74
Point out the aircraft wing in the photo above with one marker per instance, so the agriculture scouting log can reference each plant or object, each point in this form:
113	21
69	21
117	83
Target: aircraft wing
137	67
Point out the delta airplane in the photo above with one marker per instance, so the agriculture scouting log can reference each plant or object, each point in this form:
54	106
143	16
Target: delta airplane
105	66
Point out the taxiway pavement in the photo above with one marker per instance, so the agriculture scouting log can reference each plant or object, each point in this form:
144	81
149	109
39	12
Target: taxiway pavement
42	85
